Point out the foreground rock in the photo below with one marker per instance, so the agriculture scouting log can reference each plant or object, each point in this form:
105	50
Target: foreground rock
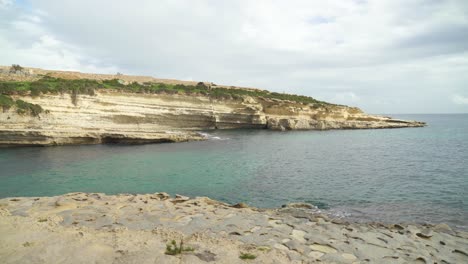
97	228
112	116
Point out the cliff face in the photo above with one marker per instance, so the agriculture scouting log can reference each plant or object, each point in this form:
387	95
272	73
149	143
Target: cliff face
111	116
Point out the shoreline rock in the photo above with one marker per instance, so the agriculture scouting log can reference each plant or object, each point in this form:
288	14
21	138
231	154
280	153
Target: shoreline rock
136	228
112	116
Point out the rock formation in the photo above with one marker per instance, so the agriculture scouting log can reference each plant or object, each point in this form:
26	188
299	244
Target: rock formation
113	116
126	228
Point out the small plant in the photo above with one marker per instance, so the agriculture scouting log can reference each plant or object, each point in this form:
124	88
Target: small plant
246	256
15	67
6	102
172	248
25	107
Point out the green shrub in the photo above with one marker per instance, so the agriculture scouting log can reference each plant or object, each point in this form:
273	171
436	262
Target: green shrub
15	67
173	249
6	102
246	256
25	107
49	84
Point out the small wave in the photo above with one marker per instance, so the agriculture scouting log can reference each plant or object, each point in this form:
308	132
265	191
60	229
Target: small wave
338	213
211	137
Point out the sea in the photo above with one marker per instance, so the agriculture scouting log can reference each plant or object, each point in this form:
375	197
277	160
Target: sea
406	175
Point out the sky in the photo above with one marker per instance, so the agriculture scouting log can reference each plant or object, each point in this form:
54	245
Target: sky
384	56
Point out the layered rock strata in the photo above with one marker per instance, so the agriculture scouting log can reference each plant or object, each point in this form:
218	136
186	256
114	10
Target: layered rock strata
111	116
116	117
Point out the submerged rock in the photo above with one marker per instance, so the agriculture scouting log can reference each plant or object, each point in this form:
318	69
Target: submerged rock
300	205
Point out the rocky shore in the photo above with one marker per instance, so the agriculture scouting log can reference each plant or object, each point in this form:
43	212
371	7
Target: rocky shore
98	228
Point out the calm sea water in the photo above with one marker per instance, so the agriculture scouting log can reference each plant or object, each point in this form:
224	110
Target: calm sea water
391	175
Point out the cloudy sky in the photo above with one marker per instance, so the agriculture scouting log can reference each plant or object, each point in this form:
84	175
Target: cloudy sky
385	56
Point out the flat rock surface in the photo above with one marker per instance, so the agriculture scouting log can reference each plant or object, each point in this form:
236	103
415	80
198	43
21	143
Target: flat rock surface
98	228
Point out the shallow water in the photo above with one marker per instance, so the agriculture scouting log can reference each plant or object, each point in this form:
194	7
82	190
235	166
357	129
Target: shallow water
391	175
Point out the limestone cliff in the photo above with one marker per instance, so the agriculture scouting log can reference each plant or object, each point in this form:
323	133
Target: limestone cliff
116	116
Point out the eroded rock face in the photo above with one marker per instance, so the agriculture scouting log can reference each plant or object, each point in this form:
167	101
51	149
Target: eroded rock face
121	117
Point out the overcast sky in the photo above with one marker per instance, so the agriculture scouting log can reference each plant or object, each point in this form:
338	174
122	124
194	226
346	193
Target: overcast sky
384	56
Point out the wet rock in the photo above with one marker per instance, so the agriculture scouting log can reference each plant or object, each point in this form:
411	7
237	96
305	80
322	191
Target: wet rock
444	228
298	213
180	199
162	196
178	196
300	206
240	205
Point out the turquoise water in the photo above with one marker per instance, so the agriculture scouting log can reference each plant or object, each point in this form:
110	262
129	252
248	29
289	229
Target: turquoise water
391	175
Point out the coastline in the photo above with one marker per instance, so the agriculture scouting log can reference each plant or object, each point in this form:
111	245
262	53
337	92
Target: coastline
87	227
50	108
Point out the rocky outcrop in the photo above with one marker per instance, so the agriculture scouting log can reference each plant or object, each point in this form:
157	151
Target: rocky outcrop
127	228
111	116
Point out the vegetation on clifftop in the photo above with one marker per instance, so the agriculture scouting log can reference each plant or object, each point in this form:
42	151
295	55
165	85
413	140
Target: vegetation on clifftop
49	84
22	107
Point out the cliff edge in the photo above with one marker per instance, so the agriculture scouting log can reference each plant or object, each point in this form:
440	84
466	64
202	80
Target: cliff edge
41	107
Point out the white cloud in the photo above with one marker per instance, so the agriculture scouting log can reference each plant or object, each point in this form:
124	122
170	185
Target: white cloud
27	41
406	51
348	98
461	100
5	4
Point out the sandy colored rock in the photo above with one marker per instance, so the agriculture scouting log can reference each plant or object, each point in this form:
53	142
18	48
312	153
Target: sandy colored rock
323	248
126	228
112	116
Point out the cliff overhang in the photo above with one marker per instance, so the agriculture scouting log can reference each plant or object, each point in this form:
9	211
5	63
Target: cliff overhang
39	107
